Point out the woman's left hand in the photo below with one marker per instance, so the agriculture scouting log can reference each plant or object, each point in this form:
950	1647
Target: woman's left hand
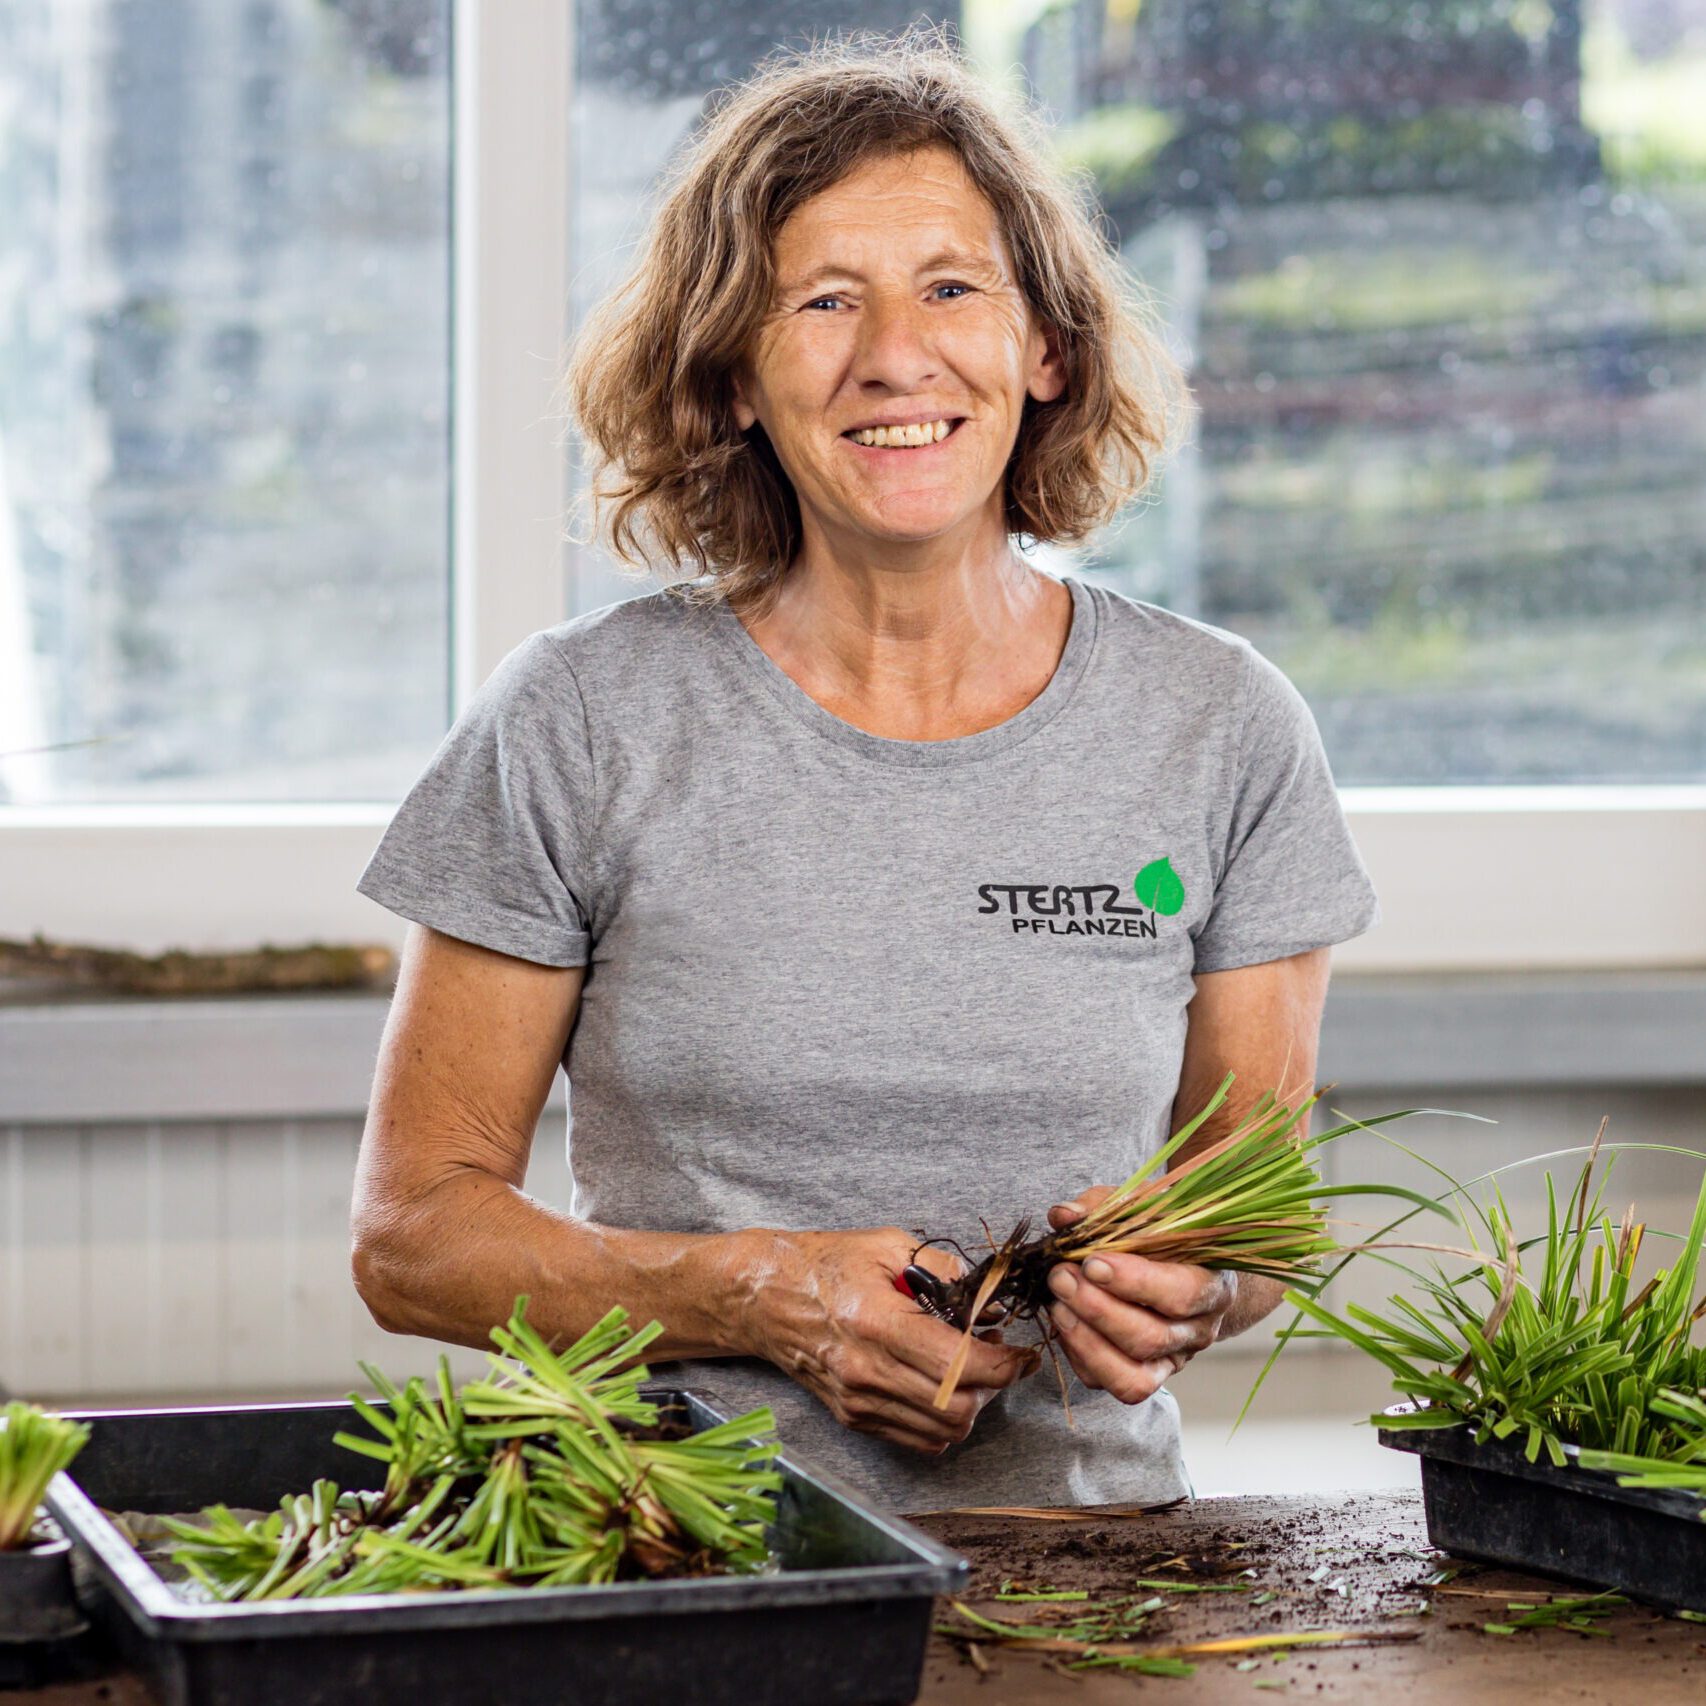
1128	1324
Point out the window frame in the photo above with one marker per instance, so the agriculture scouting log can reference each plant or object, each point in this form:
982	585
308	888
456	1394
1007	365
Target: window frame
1488	878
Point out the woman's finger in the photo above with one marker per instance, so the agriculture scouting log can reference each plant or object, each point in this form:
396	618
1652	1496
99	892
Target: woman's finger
872	1411
924	1445
1137	1332
916	1393
1065	1214
944	1264
1098	1363
928	1347
1177	1289
874	1371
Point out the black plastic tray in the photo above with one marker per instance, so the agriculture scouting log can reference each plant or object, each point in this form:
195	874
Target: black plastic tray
844	1623
1489	1502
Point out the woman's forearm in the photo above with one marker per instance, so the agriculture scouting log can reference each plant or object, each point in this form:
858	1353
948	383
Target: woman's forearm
451	1265
1257	1296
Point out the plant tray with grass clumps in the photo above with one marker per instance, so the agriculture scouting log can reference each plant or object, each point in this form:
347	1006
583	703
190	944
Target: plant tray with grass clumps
1558	1405
841	1613
1488	1501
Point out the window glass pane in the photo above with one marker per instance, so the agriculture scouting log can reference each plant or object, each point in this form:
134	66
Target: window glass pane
1440	274
224	398
1443	273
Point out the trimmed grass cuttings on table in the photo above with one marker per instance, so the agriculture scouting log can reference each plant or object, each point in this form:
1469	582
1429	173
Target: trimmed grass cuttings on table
1550	1343
1252	1201
1581	1616
553	1471
1078	1631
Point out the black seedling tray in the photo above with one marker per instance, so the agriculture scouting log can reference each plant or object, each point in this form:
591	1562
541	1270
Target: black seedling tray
1489	1502
844	1623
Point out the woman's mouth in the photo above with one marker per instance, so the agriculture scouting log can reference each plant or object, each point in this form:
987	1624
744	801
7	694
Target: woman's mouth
910	435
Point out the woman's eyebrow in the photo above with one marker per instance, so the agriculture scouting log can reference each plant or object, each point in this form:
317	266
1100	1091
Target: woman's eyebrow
963	260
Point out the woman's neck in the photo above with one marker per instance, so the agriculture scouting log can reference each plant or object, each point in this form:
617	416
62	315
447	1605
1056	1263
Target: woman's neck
916	644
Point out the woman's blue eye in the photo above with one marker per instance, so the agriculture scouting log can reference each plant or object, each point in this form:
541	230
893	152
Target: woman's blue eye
812	304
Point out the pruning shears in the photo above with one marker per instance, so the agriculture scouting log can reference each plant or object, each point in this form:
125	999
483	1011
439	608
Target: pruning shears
925	1289
947	1300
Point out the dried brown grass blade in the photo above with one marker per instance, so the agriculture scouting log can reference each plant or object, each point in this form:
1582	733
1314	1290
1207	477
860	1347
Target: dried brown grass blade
1623	1232
951	1380
1587	1174
1060	1376
1501	1308
1640	1300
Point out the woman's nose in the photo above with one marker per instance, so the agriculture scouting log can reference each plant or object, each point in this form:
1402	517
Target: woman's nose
895	350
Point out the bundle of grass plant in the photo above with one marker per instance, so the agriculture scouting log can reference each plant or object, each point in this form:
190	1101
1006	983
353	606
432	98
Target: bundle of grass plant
1549	1341
34	1447
552	1471
1253	1201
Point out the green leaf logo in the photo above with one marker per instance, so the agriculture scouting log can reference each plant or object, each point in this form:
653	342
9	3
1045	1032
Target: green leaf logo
1158	887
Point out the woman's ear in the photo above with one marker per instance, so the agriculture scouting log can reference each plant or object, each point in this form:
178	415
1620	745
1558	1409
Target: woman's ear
1047	377
745	416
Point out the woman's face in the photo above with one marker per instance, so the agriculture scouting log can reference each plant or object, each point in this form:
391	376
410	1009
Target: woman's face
895	308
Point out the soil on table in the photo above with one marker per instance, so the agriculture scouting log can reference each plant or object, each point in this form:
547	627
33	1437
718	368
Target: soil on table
1307	1565
1354	1562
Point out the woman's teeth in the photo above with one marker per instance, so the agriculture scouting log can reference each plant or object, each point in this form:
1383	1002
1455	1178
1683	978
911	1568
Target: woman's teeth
895	437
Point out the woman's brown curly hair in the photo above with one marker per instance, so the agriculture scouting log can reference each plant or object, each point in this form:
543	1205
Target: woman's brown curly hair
675	481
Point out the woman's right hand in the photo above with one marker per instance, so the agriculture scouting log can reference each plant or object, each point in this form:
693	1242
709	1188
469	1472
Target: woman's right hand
822	1306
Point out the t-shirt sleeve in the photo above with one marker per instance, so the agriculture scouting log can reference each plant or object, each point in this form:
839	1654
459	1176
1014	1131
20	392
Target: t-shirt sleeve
1291	877
493	843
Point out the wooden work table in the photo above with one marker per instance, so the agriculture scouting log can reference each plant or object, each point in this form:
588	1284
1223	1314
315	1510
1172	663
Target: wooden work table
1354	1562
1359	1563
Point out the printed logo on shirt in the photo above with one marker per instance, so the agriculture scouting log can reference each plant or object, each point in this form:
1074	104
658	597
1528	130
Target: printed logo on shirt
1157	885
1086	909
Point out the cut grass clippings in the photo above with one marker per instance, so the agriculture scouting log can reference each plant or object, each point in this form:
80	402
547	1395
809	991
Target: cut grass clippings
1100	1636
1580	1616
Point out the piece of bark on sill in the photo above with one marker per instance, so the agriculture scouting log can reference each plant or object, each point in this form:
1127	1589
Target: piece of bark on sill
41	967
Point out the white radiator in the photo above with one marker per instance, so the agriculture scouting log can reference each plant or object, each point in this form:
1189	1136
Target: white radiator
200	1260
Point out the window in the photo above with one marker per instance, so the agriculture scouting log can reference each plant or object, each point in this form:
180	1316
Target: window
129	843
224	399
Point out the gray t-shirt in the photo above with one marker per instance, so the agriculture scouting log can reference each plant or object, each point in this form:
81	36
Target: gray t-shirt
839	980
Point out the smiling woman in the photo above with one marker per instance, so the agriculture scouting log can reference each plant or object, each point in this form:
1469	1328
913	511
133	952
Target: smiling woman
873	877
